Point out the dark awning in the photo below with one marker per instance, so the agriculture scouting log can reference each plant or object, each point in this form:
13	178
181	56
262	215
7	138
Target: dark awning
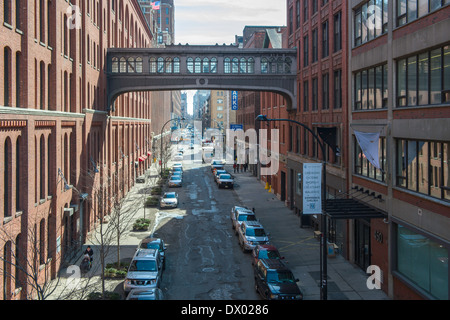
351	209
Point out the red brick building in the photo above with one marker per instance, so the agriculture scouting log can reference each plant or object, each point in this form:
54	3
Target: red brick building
58	143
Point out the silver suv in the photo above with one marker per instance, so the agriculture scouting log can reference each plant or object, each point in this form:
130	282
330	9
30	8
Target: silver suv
251	233
145	270
240	214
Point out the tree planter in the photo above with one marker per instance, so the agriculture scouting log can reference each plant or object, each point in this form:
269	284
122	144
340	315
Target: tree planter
141	225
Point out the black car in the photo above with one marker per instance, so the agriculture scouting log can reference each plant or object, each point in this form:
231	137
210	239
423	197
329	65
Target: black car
274	281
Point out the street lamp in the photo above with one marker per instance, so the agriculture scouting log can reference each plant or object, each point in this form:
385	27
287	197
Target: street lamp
323	255
162	130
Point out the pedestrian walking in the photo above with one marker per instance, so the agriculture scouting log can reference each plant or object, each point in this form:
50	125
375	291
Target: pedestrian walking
234	167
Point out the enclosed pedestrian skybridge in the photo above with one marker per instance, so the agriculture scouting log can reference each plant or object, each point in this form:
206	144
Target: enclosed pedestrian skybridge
187	67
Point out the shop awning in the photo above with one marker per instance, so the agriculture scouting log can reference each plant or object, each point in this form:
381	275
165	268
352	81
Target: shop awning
352	209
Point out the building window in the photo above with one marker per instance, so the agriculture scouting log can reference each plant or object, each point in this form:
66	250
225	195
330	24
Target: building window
7	76
424	79
315	96
176	65
305	10
422	261
198	65
305	96
337	33
160	65
7	11
291	20
370	21
314	6
6	178
423	167
325	47
235	65
325	91
371	88
315	48
410	10
337	89
305	51
18	8
362	166
297	10
214	65
227	66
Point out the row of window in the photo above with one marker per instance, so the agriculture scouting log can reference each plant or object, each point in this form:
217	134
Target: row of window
312	90
421	166
422	79
231	65
305	11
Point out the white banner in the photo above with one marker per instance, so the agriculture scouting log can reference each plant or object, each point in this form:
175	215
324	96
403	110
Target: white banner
369	146
312	188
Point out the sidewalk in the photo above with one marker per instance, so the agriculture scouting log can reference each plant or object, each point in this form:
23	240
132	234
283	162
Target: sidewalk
299	247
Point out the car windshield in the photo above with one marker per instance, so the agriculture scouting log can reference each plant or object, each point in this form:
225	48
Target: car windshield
246	217
175	178
143	265
150	245
169	196
225	176
268	254
280	276
258	232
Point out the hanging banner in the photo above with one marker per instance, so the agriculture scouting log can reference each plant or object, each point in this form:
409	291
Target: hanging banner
234	100
369	146
312	188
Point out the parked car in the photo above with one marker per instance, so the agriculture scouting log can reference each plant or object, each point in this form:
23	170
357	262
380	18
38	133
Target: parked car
217	164
225	181
217	173
169	200
239	215
178	158
177	170
145	270
265	251
154	243
251	233
146	294
274	281
175	181
177	165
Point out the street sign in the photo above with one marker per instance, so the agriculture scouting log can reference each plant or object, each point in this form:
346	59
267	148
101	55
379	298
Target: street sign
236	127
234	100
312	188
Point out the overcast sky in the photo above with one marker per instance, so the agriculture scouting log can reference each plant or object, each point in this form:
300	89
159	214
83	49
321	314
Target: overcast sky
208	22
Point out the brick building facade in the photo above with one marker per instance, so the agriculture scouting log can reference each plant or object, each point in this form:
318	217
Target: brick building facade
58	143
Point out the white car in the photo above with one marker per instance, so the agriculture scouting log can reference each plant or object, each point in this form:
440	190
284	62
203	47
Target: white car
177	165
169	200
175	181
178	158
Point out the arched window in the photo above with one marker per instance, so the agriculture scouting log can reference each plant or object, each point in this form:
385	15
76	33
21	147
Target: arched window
190	65
264	65
176	65
280	65
198	65
243	66
123	65
18	185
139	65
160	65
49	166
235	65
152	65
169	65
251	65
287	65
227	65
42	242
213	65
272	65
7	178
115	65
6	271
205	65
42	168
131	65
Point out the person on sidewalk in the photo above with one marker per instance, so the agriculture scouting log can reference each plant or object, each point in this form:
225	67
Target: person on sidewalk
89	252
234	167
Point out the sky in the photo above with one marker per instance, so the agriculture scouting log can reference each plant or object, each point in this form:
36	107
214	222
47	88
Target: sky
207	22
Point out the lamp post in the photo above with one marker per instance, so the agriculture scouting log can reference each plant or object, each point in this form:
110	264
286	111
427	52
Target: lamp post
323	247
162	130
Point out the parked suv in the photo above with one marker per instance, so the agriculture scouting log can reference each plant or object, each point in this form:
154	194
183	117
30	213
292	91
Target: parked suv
274	281
240	214
145	270
251	233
